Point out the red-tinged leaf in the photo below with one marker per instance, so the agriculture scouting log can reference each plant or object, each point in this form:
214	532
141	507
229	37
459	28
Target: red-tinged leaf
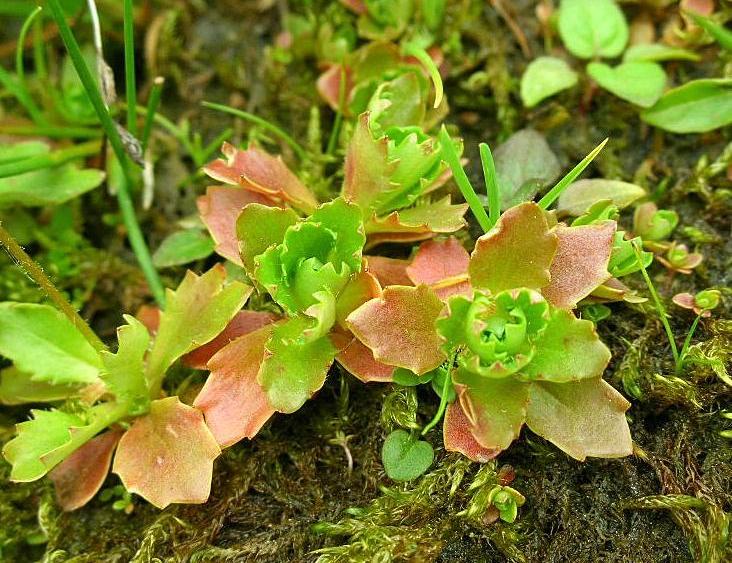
258	171
167	455
361	287
495	408
149	315
583	419
399	327
457	435
580	264
329	86
243	323
389	271
234	404
415	235
219	210
356	6
78	478
426	218
443	266
359	361
517	252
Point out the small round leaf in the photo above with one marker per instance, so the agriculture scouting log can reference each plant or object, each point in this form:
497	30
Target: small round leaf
404	457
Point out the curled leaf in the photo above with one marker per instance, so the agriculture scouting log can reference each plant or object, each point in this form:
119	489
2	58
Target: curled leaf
443	266
458	437
359	360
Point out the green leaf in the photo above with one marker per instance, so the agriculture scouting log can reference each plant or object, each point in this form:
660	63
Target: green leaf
13	152
407	378
399	102
524	163
640	83
404	457
194	314
260	227
657	52
183	247
544	77
592	28
124	372
42	342
696	107
294	368
579	196
17	388
49	186
721	35
45	432
517	252
568	350
584	418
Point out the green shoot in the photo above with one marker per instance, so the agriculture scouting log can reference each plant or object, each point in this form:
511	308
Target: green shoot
127	208
552	195
52	131
443	400
18	90
49	160
130	86
152	107
491	183
261	122
423	57
335	132
687	343
19	69
466	188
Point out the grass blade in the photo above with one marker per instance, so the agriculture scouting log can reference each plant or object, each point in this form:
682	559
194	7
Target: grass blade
491	183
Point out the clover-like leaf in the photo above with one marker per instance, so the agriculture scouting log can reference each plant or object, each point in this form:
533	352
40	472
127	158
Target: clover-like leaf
294	367
234	403
405	457
399	327
640	83
580	264
592	28
517	252
258	228
257	171
124	371
443	266
544	77
78	478
195	313
219	210
568	350
42	342
167	455
583	419
457	435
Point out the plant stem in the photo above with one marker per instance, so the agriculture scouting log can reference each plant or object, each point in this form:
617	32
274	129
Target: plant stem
49	160
127	208
335	132
687	343
557	190
659	305
19	69
261	122
130	85
36	273
491	183
443	402
152	108
466	188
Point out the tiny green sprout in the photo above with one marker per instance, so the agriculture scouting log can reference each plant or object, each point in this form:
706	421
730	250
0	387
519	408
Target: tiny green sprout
653	224
679	259
708	299
404	456
596	312
507	500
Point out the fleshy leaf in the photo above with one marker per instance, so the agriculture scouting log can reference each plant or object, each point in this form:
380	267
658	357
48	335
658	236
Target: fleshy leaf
167	455
219	210
17	388
443	266
417	223
361	288
405	457
124	372
399	327
259	227
579	196
195	313
42	342
44	433
258	171
78	478
360	362
243	323
458	437
517	252
233	402
389	271
495	408
580	264
294	368
585	418
568	350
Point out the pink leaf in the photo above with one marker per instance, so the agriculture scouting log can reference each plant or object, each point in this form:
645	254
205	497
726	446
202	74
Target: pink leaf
359	360
78	478
234	404
399	327
458	437
258	171
362	287
389	271
167	455
243	323
442	265
219	210
580	264
329	85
